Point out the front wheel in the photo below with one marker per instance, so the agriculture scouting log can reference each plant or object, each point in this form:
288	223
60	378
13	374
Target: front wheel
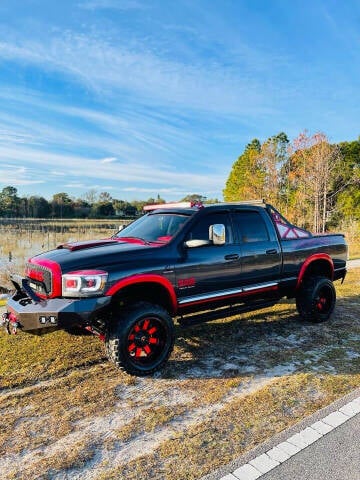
316	299
141	339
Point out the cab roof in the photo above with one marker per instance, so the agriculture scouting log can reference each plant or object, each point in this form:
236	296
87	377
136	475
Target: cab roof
191	207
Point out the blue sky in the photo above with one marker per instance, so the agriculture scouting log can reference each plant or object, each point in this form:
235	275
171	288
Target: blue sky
140	98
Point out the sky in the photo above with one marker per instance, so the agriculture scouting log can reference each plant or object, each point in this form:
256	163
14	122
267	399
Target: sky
141	98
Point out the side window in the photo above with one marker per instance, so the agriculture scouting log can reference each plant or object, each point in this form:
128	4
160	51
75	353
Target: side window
200	231
250	227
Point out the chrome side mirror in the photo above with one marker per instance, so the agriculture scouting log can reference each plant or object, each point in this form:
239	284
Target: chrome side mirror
217	234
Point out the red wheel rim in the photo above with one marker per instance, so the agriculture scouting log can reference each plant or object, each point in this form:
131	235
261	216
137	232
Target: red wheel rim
324	300
146	340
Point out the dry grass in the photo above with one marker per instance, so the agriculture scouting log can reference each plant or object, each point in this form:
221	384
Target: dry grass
229	385
352	235
26	359
241	425
354	250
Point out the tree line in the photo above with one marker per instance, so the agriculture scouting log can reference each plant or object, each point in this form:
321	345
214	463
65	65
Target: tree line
90	205
314	183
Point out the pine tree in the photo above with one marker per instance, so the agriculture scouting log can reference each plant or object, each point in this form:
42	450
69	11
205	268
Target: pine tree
245	179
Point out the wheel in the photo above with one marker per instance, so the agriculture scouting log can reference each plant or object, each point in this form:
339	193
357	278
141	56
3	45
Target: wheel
140	339
316	299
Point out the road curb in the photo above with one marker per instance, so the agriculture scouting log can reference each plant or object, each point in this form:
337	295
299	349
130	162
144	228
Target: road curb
263	458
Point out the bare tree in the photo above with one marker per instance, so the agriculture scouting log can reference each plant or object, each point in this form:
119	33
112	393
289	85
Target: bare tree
314	162
91	196
272	157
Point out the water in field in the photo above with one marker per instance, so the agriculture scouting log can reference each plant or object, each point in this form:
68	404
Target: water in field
22	239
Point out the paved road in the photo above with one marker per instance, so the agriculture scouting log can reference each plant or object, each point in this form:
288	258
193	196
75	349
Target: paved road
353	263
336	456
324	446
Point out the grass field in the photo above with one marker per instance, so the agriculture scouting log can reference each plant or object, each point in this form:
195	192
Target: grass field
69	414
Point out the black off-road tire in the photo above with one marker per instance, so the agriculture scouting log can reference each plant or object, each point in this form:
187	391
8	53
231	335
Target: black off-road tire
316	299
140	339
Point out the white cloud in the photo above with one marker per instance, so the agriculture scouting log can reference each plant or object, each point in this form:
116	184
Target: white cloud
132	131
9	136
111	4
75	185
102	187
157	109
12	175
56	173
211	87
18	182
108	160
126	174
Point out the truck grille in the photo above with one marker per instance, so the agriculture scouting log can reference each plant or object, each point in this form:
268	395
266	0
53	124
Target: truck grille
40	278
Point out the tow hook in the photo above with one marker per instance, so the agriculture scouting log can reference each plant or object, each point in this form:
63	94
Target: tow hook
10	323
93	330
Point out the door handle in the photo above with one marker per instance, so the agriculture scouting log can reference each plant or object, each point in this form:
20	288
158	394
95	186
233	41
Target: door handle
233	256
272	251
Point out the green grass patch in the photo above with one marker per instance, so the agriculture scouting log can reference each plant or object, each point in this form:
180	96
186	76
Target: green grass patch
29	358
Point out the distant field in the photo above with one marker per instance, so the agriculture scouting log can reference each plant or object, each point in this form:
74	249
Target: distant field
23	238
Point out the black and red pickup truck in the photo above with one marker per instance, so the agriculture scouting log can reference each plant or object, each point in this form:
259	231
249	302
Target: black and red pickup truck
191	263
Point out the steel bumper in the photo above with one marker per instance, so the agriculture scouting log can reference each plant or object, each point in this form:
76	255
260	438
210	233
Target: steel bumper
37	317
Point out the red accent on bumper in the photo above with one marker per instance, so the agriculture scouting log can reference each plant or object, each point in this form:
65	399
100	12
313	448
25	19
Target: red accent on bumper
56	275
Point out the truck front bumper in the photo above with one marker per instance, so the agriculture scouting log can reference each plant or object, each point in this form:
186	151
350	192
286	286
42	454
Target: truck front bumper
46	315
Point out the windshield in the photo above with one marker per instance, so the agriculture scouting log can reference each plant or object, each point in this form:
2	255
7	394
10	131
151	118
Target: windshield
158	227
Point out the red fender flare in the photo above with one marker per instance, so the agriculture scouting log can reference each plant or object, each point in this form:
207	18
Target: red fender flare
145	278
309	260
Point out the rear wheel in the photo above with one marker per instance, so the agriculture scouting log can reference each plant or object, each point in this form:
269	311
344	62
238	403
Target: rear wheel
316	299
141	339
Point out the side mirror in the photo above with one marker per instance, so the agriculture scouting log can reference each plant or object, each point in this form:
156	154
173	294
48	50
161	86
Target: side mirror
217	234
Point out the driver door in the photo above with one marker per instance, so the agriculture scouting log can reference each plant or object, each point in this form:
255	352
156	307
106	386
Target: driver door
207	269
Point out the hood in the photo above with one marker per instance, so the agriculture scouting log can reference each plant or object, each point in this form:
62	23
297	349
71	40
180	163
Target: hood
87	244
95	254
104	241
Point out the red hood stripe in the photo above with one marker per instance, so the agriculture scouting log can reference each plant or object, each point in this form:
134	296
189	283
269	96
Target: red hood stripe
87	244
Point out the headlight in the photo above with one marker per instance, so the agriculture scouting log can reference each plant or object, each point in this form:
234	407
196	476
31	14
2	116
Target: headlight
83	283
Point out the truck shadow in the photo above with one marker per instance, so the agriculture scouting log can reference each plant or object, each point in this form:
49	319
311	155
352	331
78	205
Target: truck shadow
272	342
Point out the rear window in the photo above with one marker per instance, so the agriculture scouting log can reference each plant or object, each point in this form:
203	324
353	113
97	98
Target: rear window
250	227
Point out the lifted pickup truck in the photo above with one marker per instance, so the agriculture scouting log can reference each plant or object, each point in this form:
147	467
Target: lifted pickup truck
190	262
